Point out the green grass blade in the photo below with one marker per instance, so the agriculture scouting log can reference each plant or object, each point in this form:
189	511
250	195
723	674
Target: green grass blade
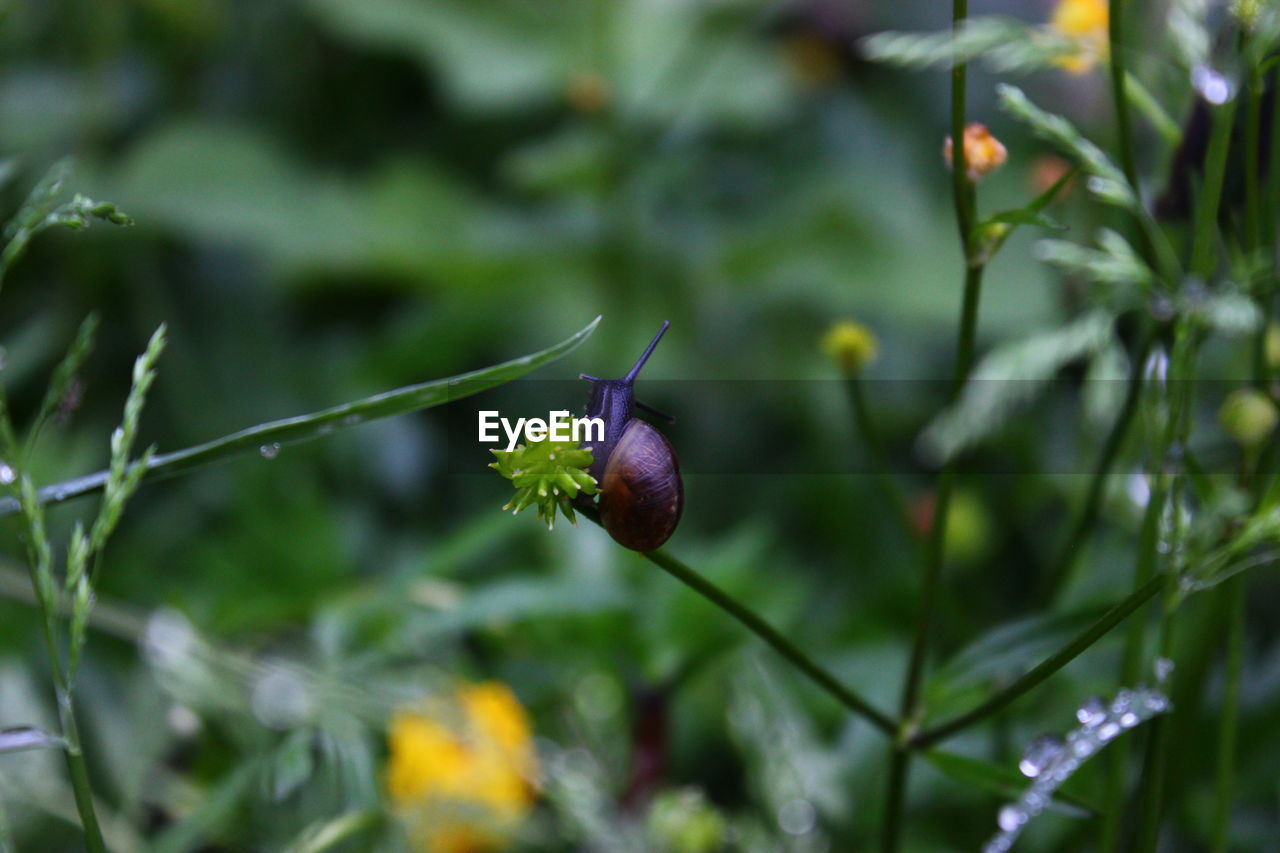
1002	781
301	428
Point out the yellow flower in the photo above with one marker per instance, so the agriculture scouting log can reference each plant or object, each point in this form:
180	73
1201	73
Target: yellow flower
983	153
461	773
1085	22
851	345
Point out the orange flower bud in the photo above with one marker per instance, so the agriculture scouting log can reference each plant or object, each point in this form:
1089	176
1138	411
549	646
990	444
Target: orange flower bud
983	153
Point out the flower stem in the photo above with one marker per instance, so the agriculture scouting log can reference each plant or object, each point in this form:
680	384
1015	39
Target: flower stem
909	710
1060	573
1118	755
762	629
879	458
1043	670
1124	127
1227	722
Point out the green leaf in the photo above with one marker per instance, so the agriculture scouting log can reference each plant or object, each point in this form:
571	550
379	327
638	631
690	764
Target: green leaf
1010	376
292	765
1106	181
1115	262
213	813
1006	44
268	438
325	833
1001	781
1004	652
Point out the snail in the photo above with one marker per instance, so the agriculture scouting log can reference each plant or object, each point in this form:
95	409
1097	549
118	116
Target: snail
641	495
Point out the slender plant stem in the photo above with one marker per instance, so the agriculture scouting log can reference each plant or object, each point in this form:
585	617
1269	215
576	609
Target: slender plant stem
1203	256
77	770
1060	574
1227	721
1043	670
1124	127
316	424
1153	789
1234	590
1131	660
762	629
909	710
1252	159
79	774
879	458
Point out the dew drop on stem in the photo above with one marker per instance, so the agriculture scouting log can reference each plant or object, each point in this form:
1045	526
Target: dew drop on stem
1039	754
7	474
270	451
1010	818
1092	712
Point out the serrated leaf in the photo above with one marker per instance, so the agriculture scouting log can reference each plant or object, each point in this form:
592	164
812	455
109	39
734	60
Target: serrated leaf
1009	377
1006	44
1106	181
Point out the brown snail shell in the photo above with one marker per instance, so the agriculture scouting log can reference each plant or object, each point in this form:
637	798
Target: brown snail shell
641	495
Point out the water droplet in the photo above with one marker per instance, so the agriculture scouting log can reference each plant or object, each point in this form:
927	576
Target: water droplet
183	721
1039	754
1108	730
270	451
1157	366
1212	86
1163	668
1122	703
1139	489
1128	720
1010	817
168	639
1096	185
1092	712
351	420
7	474
797	817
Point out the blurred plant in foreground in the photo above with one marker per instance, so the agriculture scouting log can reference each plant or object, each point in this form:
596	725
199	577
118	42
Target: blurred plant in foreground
462	772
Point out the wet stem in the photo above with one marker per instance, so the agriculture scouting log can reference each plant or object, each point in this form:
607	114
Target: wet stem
909	710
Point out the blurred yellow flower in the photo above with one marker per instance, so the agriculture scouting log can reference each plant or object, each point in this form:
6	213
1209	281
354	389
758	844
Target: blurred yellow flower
851	345
1084	21
983	153
461	772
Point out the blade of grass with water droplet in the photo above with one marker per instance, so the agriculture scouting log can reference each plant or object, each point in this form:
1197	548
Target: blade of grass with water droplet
1002	781
306	427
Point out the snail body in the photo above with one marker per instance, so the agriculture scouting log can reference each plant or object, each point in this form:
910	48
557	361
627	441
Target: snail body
641	494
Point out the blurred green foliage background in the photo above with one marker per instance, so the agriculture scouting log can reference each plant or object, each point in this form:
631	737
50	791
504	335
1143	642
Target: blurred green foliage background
336	197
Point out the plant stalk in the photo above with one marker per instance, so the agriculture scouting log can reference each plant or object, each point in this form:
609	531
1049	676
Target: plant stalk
1044	669
909	710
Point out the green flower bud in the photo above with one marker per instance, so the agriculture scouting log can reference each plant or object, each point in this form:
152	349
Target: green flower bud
1248	416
